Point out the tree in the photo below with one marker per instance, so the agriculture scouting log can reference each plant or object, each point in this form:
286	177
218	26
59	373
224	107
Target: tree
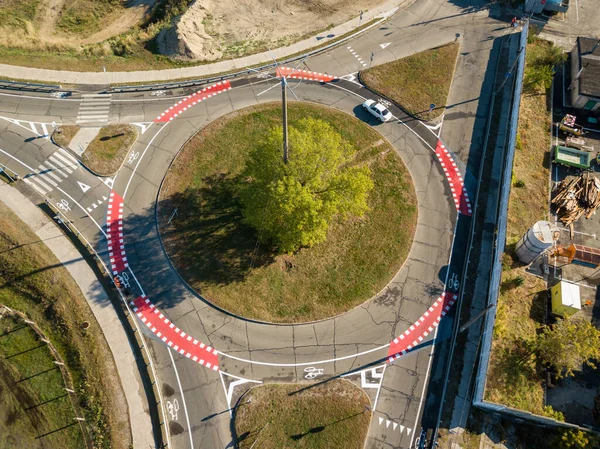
293	204
577	439
568	344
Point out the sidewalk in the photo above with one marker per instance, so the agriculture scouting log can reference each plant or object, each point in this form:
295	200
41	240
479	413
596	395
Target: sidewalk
201	71
46	230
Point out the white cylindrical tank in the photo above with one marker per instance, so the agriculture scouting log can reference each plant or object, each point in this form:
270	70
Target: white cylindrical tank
535	241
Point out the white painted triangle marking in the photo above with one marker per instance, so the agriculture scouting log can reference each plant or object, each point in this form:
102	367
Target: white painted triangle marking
395	425
380	420
89	209
143	126
387	423
408	430
83	186
109	182
99	202
229	389
401	428
104	198
384	45
94	205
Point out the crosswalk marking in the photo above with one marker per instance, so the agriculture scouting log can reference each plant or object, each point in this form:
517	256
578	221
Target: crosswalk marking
38	128
54	170
94	108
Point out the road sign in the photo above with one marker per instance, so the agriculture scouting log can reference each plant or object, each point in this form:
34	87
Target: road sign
431	107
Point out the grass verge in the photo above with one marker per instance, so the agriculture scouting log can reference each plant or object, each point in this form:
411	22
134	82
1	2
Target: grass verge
33	397
106	153
417	81
17	13
514	378
226	261
329	415
66	134
35	283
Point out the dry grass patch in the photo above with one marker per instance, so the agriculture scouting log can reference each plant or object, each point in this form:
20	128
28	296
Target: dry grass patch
106	153
227	262
330	415
34	282
63	135
417	81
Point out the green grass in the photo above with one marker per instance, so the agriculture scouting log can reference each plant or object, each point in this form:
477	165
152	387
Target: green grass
330	415
85	16
108	150
416	81
66	134
33	397
17	13
223	259
514	378
32	281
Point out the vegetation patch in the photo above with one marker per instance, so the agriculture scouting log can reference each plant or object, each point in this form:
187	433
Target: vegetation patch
515	376
231	265
64	134
417	81
36	411
106	153
333	414
17	13
34	282
85	16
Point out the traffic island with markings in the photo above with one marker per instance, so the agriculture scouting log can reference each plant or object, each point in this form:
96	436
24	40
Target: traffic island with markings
232	265
418	83
325	415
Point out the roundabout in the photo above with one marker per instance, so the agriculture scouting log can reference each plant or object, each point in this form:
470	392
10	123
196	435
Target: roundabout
224	259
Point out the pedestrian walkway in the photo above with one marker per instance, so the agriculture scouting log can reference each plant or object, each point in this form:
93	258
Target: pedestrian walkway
82	139
383	11
94	108
100	304
52	172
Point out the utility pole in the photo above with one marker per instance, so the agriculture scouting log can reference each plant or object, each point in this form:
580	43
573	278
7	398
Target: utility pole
285	121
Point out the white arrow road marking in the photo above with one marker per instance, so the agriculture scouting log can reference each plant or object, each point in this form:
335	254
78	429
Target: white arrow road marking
387	423
401	428
395	425
229	390
83	186
384	45
380	420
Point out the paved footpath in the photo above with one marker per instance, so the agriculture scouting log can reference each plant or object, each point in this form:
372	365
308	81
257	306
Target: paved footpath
67	254
201	71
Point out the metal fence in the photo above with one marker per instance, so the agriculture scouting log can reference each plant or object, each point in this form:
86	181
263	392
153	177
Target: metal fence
500	240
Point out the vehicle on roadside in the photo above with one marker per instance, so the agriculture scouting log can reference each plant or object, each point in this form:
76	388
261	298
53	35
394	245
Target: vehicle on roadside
378	110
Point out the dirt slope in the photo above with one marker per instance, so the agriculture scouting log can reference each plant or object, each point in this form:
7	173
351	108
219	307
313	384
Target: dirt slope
210	29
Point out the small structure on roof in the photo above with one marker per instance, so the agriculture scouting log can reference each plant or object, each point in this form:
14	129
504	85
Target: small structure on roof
585	74
537	6
566	299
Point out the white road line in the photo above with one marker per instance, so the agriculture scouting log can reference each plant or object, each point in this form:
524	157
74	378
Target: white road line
83	209
59	163
39	181
92	120
140	160
48	171
55	168
68	156
187	418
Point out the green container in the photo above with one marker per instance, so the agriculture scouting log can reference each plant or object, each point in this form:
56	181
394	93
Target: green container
571	157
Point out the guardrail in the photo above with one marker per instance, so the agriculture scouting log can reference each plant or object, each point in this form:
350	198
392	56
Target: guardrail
7	172
33	87
136	329
199	82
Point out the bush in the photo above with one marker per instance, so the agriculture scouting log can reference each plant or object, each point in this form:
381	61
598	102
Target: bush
519	183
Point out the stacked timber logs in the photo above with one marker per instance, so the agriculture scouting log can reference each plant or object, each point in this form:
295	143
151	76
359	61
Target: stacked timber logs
575	197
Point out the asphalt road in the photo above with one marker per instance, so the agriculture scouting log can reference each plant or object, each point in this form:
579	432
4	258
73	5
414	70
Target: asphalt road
355	345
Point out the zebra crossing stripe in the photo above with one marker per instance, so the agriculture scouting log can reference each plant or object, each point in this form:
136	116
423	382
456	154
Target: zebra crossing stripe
56	169
60	164
48	171
68	156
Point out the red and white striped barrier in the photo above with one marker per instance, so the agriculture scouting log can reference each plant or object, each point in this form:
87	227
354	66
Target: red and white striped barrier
174	337
191	100
288	72
114	230
455	179
416	333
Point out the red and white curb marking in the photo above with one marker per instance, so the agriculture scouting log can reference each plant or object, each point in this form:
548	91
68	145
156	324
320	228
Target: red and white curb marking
416	333
174	337
455	179
114	229
191	100
304	75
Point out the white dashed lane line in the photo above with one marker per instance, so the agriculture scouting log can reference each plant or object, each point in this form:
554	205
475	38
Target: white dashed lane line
357	56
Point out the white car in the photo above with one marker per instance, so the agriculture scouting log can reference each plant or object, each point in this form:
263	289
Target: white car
378	110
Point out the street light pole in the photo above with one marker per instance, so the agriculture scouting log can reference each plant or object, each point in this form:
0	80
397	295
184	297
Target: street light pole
285	121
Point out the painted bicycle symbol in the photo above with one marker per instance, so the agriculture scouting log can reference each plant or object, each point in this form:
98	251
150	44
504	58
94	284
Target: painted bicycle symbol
385	102
63	205
312	372
123	279
172	409
454	283
58	94
133	156
158	93
263	75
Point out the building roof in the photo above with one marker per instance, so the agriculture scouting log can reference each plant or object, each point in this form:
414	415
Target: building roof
589	59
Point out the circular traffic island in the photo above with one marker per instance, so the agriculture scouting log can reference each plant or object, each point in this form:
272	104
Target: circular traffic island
339	236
